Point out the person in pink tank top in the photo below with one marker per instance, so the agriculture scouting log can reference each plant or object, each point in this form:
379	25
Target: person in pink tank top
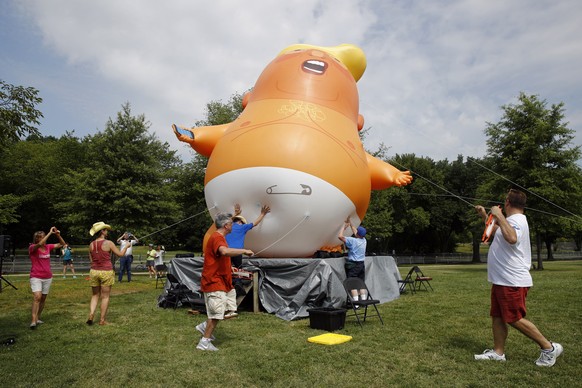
101	274
41	275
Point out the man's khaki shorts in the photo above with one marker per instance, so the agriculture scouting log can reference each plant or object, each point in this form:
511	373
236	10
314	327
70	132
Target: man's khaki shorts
218	302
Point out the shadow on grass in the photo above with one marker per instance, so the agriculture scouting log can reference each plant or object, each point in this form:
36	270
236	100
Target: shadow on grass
465	343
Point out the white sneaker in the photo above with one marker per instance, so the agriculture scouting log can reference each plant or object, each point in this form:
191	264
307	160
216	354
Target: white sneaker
205	344
39	322
549	358
490	354
202	329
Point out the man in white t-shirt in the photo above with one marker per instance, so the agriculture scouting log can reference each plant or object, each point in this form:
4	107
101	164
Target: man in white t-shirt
125	261
508	265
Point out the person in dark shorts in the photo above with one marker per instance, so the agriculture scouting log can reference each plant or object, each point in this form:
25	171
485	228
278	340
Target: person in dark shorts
150	261
355	266
67	255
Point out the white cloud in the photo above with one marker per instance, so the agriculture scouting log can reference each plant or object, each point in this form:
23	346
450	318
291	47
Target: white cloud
437	71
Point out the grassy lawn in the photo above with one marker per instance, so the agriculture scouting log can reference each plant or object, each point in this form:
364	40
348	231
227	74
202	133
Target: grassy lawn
428	339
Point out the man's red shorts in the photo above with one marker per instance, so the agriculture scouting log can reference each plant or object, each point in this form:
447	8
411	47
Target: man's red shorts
508	302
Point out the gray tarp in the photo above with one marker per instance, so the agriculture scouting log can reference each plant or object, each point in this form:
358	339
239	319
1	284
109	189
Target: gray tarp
288	287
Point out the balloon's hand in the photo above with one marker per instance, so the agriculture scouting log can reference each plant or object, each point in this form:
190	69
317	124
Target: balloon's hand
402	178
183	134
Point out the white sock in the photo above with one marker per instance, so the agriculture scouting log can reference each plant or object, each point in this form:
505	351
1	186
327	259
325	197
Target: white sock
355	298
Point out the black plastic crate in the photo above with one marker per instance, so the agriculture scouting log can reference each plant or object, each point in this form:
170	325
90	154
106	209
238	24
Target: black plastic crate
327	318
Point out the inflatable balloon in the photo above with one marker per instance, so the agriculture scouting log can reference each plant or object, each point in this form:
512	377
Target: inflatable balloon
295	147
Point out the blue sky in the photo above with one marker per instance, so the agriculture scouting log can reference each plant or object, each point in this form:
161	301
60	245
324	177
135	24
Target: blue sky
437	72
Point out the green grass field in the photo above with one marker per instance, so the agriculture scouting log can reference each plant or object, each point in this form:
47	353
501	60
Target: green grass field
428	339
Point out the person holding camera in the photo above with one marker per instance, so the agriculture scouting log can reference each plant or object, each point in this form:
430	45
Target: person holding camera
41	275
129	240
151	260
101	275
67	254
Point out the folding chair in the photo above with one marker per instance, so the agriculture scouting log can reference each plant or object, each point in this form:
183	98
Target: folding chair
161	274
358	284
407	281
176	292
421	279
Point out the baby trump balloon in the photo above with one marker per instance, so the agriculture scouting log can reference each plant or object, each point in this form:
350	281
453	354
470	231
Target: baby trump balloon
295	147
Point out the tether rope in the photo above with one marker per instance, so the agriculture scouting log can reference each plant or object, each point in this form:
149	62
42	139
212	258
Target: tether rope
176	223
481	200
471	159
282	237
432	183
523	188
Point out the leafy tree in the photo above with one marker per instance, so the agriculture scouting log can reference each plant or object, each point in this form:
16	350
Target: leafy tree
410	218
432	202
18	113
190	182
218	112
8	210
190	196
449	218
463	179
378	221
530	149
380	211
33	172
431	215
127	179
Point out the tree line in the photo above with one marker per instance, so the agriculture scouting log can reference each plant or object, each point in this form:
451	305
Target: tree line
126	176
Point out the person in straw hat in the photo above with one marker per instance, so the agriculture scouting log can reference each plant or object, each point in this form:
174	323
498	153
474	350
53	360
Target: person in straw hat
101	275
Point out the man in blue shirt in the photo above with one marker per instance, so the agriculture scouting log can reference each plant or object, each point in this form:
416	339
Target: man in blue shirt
236	238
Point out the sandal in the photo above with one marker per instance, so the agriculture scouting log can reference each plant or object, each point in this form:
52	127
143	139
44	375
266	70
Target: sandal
90	320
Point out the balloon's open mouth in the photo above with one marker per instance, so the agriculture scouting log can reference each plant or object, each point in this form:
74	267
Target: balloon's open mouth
314	66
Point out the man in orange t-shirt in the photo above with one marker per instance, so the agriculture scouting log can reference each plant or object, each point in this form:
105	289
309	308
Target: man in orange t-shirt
216	282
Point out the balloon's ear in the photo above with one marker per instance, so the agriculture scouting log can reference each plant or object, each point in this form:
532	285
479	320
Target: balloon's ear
360	122
245	99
